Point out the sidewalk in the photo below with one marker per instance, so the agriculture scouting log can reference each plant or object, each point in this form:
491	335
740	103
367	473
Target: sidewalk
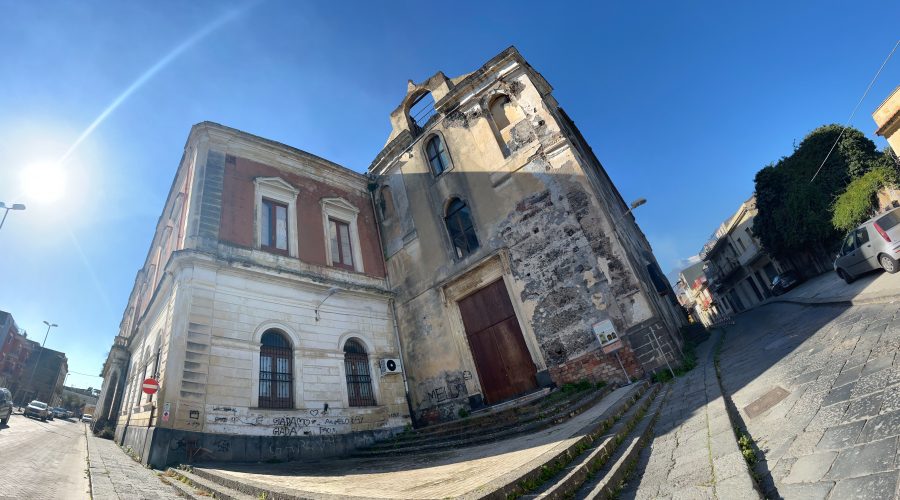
694	453
874	288
115	475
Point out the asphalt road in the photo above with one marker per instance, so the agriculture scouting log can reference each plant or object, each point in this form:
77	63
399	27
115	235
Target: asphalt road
45	460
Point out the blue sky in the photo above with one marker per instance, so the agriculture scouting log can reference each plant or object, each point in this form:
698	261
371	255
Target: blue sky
682	102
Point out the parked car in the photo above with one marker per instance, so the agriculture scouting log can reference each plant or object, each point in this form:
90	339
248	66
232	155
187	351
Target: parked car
874	244
87	418
37	409
6	405
58	412
784	282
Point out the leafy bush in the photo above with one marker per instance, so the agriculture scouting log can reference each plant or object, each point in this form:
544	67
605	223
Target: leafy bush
859	202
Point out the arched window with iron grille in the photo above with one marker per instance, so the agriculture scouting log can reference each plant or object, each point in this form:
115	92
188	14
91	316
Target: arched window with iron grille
276	378
359	381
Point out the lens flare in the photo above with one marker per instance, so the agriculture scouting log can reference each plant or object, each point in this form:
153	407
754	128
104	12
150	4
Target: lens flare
44	182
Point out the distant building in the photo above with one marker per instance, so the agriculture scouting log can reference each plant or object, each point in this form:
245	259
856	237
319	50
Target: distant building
695	295
43	376
86	398
14	352
740	272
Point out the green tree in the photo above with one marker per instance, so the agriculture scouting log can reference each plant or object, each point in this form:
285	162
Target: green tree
794	213
859	201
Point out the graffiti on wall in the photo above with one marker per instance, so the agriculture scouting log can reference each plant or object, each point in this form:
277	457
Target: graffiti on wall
301	422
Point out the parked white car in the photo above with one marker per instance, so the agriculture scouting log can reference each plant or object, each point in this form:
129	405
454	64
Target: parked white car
87	418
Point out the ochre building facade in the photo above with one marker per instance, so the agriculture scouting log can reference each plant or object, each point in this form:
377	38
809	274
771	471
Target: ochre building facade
290	307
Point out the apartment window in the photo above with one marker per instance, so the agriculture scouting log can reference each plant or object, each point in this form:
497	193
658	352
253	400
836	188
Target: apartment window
359	380
437	155
460	228
274	225
275	371
276	216
341	246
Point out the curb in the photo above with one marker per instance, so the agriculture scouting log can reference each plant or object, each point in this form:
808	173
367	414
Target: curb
884	299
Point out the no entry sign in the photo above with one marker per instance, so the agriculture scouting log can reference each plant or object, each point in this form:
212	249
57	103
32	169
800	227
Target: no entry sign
150	386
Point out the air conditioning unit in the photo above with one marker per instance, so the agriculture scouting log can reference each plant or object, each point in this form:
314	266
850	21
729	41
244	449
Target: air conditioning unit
389	365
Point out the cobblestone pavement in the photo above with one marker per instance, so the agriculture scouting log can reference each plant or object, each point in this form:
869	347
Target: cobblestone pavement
819	391
875	287
463	472
116	475
693	453
43	460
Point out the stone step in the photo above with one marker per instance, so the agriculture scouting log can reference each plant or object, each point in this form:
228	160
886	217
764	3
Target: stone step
570	479
529	478
187	482
547	404
606	482
477	438
541	418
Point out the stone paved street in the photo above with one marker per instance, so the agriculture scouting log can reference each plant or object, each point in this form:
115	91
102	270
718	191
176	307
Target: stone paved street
42	460
833	429
114	475
693	453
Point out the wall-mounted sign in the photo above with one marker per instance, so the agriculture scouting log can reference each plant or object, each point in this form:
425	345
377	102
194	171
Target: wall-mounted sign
165	416
605	332
150	386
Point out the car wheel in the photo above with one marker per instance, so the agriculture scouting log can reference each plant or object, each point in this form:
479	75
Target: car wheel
5	420
889	264
845	276
43	419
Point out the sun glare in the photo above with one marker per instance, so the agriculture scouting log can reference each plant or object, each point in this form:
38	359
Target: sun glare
44	182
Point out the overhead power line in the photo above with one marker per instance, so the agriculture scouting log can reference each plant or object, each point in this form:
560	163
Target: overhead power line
844	129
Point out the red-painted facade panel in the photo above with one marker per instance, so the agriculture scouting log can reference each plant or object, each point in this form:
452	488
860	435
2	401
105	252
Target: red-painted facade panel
238	213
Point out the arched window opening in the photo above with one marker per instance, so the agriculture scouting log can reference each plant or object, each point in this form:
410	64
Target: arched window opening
275	371
386	202
359	380
437	155
421	111
505	115
460	228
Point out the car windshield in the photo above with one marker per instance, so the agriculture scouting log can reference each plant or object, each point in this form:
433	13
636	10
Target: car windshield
38	404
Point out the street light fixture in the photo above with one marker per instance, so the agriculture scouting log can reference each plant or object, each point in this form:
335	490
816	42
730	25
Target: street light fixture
38	360
634	204
14	206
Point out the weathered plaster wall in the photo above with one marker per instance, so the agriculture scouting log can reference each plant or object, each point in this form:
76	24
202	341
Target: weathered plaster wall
531	197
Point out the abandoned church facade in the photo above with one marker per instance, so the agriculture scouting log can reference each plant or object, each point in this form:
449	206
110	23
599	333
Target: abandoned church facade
290	307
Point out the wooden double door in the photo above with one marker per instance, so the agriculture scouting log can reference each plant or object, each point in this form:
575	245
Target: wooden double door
501	357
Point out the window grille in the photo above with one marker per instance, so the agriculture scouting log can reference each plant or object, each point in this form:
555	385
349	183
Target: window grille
275	372
359	381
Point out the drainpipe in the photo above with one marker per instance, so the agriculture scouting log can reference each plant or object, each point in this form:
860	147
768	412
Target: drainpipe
387	279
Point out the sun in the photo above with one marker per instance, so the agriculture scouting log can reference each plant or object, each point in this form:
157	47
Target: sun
44	182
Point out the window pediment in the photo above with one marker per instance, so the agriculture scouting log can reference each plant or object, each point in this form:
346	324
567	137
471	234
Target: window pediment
276	183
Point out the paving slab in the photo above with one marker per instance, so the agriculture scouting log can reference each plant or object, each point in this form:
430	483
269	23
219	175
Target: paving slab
115	475
836	434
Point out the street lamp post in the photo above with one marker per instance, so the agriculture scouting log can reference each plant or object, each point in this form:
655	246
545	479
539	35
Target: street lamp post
14	206
37	362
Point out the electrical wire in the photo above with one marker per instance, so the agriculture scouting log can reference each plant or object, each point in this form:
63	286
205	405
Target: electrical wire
844	129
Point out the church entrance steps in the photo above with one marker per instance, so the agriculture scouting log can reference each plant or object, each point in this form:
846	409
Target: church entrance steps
494	470
539	415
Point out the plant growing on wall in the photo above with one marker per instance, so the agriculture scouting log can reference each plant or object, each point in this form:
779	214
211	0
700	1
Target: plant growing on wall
859	201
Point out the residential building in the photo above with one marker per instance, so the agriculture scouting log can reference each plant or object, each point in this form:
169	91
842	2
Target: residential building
42	376
887	118
290	307
740	272
14	352
696	297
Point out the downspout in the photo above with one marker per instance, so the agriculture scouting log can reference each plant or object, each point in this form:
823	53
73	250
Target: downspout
372	185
